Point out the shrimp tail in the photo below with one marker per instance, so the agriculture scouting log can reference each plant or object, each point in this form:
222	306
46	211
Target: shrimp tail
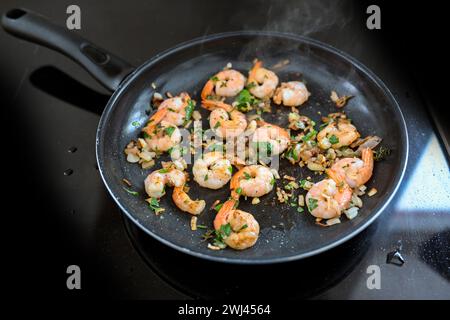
223	213
213	104
252	73
207	90
156	118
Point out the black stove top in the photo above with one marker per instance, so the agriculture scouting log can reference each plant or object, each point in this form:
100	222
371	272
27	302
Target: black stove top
67	217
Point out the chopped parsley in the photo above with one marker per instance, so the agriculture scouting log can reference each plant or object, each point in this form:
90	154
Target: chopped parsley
201	226
245	101
218	207
310	135
189	110
135	124
333	139
153	204
134	193
230	169
300	209
247	176
217	125
214	79
264	147
169	131
312	204
272	182
146	135
245	226
239	190
221	234
164	170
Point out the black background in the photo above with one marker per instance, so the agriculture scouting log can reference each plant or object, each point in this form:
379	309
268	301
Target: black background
412	41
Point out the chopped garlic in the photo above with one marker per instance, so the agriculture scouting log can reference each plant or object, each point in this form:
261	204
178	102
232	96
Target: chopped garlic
372	192
194	223
256	200
333	221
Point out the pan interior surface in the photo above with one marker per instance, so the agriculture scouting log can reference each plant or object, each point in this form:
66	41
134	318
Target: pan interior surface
285	233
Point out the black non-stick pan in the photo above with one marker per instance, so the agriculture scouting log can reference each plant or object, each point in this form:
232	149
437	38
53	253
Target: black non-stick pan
285	233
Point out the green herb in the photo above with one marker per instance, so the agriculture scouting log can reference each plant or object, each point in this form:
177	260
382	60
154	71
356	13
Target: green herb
264	147
291	154
230	169
293	204
214	79
164	170
251	85
310	135
333	139
208	234
245	226
217	125
135	124
303	183
221	234
247	176
382	153
245	101
189	110
218	207
312	204
200	226
134	193
323	125
300	209
206	178
154	205
146	135
169	131
239	190
272	182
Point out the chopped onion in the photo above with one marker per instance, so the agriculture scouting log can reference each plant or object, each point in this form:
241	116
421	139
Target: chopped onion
132	158
194	223
333	221
351	213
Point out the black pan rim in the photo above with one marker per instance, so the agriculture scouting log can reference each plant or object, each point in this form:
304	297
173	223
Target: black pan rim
398	179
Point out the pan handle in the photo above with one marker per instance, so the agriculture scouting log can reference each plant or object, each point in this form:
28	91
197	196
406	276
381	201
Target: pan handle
107	68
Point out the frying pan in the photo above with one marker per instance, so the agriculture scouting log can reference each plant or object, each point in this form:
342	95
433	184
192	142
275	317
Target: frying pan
285	233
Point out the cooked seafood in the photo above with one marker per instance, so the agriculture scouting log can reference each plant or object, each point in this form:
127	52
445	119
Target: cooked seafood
291	94
239	229
327	200
334	148
261	82
354	171
224	120
185	203
155	183
252	181
213	171
226	83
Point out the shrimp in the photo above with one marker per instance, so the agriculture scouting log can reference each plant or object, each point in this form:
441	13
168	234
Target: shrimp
291	94
162	137
213	170
244	227
177	108
275	138
185	203
337	134
155	183
252	181
224	120
354	171
226	83
326	199
261	82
